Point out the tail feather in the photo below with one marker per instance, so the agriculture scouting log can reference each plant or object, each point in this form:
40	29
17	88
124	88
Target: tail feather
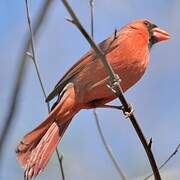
44	150
36	148
31	140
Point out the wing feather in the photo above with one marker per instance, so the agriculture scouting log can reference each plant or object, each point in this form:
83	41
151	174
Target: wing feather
106	46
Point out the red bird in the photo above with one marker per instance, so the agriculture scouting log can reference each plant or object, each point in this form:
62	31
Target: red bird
84	86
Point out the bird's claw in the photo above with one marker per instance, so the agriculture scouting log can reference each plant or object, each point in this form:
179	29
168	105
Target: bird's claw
128	112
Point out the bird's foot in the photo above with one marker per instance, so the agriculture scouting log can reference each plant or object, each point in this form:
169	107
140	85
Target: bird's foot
129	111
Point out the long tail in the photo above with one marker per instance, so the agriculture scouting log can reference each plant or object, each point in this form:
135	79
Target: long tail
34	151
40	156
36	148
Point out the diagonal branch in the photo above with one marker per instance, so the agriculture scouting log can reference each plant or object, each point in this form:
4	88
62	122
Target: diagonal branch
20	76
108	148
105	143
115	86
33	57
166	161
60	159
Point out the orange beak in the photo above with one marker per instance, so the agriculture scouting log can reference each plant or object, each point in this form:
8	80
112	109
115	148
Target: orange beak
160	35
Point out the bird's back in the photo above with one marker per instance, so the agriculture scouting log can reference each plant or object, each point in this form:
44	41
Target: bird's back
129	60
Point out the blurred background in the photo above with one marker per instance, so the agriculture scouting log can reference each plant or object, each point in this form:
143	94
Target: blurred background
58	46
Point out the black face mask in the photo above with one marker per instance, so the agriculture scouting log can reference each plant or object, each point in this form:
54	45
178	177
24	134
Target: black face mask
152	39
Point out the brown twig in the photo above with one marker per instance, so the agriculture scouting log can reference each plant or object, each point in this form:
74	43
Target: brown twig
33	57
108	148
21	69
165	162
103	139
60	159
115	87
91	3
111	43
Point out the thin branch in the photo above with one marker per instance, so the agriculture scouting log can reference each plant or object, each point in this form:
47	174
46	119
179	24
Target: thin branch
22	66
105	143
60	159
165	162
33	57
111	43
91	2
170	157
115	87
69	20
108	148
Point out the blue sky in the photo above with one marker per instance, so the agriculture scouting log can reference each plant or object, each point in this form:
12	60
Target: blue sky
59	45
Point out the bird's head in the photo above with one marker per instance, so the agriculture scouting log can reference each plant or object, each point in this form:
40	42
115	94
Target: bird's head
154	33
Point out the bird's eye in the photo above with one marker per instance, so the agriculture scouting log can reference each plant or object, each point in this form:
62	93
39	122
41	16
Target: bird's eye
147	23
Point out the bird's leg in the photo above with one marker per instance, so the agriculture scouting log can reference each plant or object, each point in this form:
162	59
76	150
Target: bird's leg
101	103
125	112
110	106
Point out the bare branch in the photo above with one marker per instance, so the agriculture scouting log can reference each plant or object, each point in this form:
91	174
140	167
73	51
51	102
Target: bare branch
105	143
111	43
69	20
108	148
170	157
165	162
20	76
29	54
33	56
91	3
150	143
60	159
115	85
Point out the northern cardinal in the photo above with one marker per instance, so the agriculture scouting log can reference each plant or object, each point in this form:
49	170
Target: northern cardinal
84	86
